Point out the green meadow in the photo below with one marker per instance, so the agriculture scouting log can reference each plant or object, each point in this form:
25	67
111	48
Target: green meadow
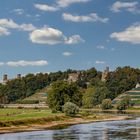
7	114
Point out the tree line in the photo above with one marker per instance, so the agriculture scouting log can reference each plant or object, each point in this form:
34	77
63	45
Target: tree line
88	86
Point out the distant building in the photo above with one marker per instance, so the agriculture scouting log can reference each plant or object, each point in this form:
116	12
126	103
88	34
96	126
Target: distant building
137	85
5	79
18	76
105	74
73	77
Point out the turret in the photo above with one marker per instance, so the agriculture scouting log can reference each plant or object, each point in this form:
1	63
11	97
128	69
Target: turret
105	74
18	76
5	78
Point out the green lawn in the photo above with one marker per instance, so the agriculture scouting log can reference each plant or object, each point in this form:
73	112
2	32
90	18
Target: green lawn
21	114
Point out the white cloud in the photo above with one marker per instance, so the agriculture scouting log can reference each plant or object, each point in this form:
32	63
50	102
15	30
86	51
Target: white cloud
58	5
18	11
93	17
127	6
9	23
101	47
100	62
48	36
131	34
27	27
1	63
4	31
51	36
66	3
46	7
67	53
74	40
24	63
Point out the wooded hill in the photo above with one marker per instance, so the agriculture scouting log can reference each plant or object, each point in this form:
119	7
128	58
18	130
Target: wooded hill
118	81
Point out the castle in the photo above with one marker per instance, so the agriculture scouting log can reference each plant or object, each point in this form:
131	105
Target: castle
6	79
73	77
105	74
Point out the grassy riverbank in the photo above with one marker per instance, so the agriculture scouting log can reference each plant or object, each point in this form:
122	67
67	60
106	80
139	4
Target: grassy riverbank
15	114
19	120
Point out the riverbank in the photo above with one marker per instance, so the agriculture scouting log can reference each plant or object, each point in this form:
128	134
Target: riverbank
133	110
54	122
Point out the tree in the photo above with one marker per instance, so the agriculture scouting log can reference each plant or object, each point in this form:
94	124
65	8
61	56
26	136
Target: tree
101	93
62	92
88	100
121	80
106	104
70	109
95	95
124	103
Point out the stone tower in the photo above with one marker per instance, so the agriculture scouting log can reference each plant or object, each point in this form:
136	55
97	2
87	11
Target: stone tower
5	78
137	85
18	76
105	74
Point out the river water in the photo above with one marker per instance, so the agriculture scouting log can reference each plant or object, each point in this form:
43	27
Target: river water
113	130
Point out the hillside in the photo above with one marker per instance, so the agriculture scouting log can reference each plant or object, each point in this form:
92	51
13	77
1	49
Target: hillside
40	97
134	94
116	82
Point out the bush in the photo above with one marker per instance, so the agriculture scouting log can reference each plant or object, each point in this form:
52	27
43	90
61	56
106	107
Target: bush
70	109
54	111
124	103
106	104
20	107
1	106
28	101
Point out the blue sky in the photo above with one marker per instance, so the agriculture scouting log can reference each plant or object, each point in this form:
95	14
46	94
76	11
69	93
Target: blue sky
51	35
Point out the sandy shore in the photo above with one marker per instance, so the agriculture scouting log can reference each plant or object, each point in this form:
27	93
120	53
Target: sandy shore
56	124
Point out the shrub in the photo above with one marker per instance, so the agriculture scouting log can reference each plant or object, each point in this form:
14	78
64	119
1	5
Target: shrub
54	111
70	109
28	101
86	113
1	106
106	104
20	107
124	103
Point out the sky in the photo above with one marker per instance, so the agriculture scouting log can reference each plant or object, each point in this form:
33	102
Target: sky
51	35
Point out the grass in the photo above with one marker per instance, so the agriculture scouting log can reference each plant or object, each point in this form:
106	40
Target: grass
21	114
17	120
133	93
136	102
133	108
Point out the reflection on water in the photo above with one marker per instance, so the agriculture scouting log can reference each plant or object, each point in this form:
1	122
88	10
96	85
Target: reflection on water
114	130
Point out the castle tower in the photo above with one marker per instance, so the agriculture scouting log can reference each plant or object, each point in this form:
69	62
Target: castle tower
5	78
137	85
18	76
105	74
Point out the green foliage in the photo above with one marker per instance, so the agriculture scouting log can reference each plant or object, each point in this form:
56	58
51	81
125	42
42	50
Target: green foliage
88	99
23	87
106	104
101	93
95	95
62	92
121	80
124	103
1	106
70	109
27	101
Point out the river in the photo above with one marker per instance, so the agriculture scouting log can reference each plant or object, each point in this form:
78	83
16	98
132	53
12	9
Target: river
113	130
